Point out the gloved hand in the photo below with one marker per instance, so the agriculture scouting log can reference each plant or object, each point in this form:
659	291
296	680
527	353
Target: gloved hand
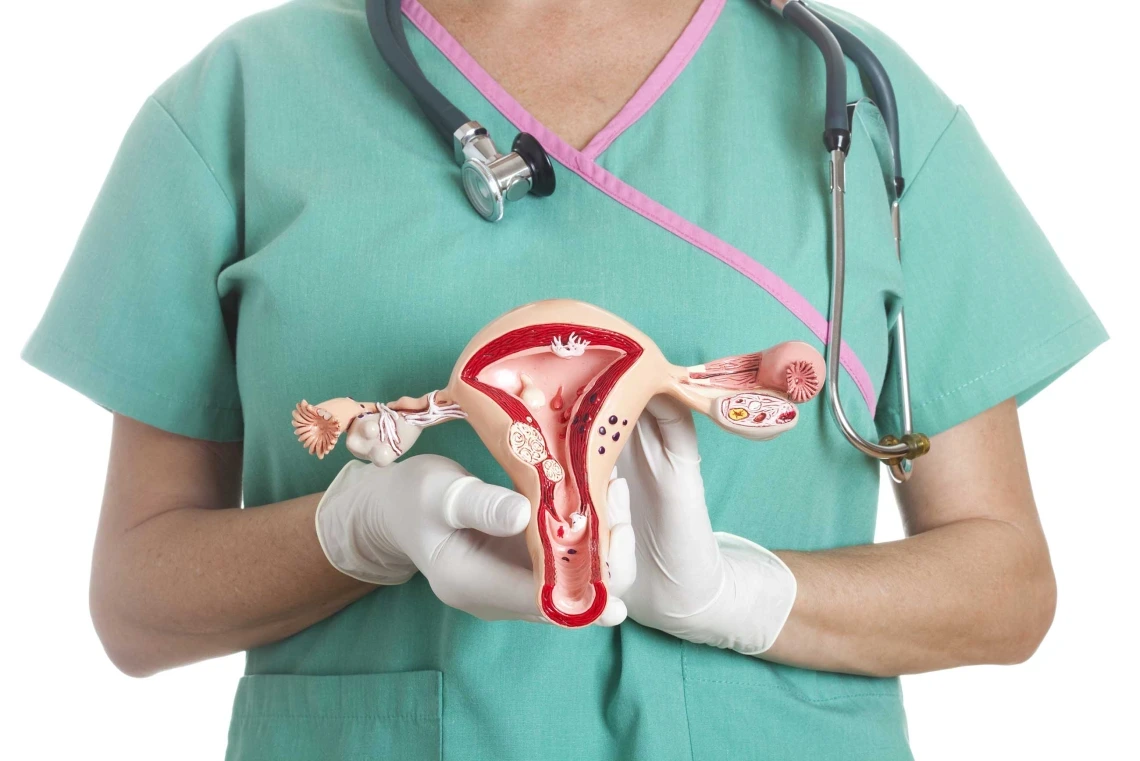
696	584
426	513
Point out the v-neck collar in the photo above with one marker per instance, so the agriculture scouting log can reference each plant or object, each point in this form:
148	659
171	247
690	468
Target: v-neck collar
584	163
663	75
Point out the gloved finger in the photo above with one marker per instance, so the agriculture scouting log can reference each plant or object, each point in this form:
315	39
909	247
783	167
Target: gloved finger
669	514
676	427
617	501
471	503
623	559
614	613
469	572
623	552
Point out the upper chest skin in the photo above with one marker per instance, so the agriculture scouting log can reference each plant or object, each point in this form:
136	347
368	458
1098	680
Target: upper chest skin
573	65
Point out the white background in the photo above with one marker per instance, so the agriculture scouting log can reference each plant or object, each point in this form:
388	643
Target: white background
1052	88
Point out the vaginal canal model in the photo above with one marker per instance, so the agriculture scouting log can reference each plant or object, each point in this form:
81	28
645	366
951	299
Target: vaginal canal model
554	389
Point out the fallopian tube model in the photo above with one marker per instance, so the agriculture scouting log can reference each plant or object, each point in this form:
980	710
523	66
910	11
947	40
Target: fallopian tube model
553	390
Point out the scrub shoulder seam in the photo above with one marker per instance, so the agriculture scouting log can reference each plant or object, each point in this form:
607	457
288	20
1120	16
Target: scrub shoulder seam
182	131
958	111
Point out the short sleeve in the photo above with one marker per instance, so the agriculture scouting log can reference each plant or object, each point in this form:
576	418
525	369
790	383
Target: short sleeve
991	312
136	322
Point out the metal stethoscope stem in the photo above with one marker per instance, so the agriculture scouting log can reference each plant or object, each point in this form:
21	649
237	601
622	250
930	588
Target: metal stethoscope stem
900	335
895	452
836	44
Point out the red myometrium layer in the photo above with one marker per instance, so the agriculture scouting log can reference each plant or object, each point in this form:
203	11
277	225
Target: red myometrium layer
578	435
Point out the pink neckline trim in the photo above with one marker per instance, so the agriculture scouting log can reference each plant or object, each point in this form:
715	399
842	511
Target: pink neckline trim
584	165
658	82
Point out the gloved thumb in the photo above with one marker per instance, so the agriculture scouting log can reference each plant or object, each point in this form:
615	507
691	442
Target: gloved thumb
471	503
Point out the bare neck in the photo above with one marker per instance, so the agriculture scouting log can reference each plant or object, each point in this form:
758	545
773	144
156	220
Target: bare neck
572	65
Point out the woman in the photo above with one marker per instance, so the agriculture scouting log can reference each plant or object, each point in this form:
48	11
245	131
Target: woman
280	224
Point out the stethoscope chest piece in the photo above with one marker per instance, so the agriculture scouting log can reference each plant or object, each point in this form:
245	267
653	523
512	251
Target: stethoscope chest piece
490	179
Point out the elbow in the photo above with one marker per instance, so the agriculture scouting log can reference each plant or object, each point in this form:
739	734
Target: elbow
124	654
129	652
1024	634
129	662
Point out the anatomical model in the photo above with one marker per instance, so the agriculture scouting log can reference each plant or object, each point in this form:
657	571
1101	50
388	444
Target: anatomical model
553	389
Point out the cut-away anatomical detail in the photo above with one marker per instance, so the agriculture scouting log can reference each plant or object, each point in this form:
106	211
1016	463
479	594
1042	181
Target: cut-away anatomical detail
553	389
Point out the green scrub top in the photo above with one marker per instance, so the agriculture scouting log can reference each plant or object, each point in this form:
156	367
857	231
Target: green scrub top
281	223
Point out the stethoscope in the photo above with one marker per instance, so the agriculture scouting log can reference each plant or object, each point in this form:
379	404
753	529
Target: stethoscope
490	179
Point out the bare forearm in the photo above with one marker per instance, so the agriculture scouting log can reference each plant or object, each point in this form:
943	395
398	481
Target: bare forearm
973	591
193	583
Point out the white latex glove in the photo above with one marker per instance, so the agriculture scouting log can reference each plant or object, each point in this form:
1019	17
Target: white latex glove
426	513
699	585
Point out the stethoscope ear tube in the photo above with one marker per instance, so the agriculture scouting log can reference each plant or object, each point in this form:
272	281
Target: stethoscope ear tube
387	32
896	452
883	94
837	128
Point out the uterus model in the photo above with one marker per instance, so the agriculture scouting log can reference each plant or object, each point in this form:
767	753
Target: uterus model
553	389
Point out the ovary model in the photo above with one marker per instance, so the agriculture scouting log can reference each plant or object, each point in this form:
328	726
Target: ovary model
553	389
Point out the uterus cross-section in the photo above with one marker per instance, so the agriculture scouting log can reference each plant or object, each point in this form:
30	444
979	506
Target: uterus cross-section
563	415
554	389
